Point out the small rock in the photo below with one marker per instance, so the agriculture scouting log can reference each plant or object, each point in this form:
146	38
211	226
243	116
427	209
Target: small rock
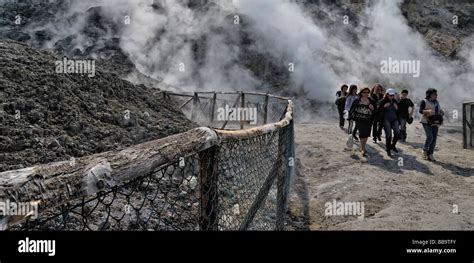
53	144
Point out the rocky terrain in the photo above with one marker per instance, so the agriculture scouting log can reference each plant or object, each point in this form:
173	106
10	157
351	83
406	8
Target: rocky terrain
445	24
46	116
445	29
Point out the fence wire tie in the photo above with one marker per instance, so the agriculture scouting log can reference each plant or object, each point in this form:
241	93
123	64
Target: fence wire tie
97	178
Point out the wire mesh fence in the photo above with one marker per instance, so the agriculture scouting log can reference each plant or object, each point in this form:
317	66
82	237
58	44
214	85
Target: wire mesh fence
239	182
167	199
250	185
216	109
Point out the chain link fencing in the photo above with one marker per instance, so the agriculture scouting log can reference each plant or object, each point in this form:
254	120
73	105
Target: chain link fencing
239	182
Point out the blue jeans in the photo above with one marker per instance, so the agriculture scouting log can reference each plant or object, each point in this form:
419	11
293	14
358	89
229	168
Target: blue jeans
388	127
431	137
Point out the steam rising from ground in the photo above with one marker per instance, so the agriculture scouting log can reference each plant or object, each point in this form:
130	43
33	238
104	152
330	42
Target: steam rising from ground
161	42
326	58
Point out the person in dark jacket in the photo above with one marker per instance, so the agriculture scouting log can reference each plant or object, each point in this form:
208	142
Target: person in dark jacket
388	112
377	94
341	104
405	109
362	111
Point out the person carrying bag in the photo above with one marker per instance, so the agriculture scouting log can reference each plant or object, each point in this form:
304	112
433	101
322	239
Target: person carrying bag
432	119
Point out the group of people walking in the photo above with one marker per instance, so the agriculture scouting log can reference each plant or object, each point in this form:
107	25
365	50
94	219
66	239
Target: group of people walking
369	111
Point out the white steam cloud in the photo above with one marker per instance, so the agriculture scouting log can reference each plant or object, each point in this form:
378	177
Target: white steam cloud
162	43
326	58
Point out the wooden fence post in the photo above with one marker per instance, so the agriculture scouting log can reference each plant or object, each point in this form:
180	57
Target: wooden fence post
196	103
464	125
471	124
265	108
209	193
213	108
242	106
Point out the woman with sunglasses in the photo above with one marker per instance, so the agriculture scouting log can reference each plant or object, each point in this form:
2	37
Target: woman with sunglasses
388	112
362	111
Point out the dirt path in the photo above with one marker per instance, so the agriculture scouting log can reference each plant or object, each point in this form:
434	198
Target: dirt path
415	195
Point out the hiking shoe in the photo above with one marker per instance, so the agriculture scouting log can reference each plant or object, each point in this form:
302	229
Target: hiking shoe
375	140
394	149
425	155
379	138
431	158
355	138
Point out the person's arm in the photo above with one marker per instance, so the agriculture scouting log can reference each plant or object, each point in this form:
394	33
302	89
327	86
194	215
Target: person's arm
441	111
353	106
412	107
423	109
372	104
348	99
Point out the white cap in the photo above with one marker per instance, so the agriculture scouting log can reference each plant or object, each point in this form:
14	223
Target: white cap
391	92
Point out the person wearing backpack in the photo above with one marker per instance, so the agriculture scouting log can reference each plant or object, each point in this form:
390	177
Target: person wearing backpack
388	112
432	119
363	110
406	109
341	104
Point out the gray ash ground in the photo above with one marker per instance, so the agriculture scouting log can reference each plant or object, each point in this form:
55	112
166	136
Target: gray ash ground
72	115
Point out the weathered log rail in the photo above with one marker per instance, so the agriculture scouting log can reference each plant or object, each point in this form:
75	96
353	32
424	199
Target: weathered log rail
223	187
